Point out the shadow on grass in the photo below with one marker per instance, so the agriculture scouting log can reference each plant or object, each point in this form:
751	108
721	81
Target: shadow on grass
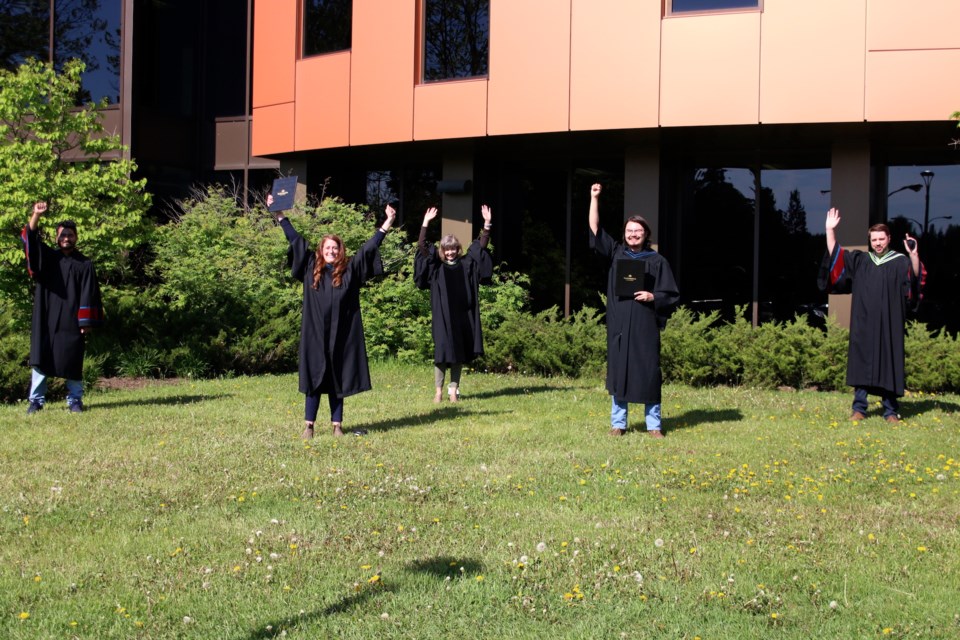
278	628
913	408
516	391
443	567
697	417
170	400
440	414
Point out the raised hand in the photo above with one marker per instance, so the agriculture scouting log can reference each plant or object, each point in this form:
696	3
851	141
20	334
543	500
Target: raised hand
430	214
487	214
833	218
595	190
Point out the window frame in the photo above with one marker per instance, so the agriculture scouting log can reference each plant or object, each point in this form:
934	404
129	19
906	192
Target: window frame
421	62
302	34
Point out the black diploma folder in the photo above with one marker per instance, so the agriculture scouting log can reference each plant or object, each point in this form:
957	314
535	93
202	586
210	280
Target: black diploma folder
632	276
284	190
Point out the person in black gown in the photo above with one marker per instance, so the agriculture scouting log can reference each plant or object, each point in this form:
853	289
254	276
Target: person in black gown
333	354
454	282
885	285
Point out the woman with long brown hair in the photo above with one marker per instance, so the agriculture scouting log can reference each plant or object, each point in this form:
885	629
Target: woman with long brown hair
333	354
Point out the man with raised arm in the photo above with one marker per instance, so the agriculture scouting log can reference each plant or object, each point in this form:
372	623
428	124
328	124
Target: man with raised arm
66	305
884	284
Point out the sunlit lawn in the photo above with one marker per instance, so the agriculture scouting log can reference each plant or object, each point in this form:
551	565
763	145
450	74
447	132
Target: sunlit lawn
195	511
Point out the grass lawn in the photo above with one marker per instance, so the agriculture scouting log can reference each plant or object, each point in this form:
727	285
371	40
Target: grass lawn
194	510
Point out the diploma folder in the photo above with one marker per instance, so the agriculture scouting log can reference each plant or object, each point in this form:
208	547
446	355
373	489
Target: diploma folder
631	277
284	190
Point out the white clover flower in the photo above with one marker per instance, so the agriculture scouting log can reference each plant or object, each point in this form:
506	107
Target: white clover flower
833	604
187	619
658	542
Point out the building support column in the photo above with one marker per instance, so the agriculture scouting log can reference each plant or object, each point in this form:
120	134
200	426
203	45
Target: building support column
456	209
850	189
641	186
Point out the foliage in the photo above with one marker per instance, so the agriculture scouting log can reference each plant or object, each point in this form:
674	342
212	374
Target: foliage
53	151
933	359
193	510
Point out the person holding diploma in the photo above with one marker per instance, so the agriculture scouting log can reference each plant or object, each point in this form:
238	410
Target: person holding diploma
333	354
635	317
454	282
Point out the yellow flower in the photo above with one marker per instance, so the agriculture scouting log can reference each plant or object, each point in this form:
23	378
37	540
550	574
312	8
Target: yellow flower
374	579
24	615
479	578
773	616
922	549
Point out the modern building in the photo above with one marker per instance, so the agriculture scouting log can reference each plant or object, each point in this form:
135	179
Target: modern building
175	74
683	109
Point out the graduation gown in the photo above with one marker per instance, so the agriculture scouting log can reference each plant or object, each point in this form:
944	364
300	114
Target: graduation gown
332	347
633	328
66	298
882	295
454	306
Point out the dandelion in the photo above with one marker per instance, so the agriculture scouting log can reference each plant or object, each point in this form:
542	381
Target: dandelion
24	615
658	542
922	549
833	604
541	547
479	578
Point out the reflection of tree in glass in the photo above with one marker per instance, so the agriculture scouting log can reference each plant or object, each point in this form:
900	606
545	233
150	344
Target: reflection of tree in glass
456	38
795	217
326	26
24	31
81	30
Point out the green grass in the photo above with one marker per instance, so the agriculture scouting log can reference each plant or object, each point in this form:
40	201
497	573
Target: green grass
194	511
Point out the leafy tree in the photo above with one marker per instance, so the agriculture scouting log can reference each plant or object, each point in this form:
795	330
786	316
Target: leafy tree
51	150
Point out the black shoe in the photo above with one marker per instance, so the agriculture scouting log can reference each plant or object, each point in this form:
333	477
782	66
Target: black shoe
76	407
34	407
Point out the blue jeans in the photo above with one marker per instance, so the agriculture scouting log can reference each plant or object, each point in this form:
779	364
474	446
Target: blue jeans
891	406
620	409
38	389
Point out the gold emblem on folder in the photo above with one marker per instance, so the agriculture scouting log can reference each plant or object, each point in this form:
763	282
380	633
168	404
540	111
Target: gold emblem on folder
283	192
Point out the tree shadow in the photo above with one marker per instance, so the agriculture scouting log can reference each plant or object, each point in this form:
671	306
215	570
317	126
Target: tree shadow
169	401
696	417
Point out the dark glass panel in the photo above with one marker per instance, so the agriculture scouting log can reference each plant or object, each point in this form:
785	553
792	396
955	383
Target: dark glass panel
90	30
681	6
24	31
326	26
456	39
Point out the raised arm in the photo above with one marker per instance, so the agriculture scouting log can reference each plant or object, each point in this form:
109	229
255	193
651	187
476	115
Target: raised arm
487	214
595	208
833	219
39	208
428	216
391	213
910	243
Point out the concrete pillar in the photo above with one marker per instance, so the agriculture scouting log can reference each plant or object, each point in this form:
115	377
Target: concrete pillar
850	190
456	209
641	186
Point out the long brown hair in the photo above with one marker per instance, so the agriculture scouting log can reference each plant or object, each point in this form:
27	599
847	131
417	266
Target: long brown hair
339	265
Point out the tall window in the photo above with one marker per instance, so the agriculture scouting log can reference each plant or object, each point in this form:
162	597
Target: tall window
84	29
707	6
327	26
456	39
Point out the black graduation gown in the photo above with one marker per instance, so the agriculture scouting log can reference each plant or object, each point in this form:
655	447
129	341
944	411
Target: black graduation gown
633	328
882	295
454	305
66	298
338	349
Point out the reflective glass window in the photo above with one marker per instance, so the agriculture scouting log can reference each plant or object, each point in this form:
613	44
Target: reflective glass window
327	26
456	39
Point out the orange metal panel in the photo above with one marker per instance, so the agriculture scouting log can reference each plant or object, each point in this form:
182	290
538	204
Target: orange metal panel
382	73
812	61
272	129
529	66
275	53
912	85
323	102
450	110
895	24
615	64
710	69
